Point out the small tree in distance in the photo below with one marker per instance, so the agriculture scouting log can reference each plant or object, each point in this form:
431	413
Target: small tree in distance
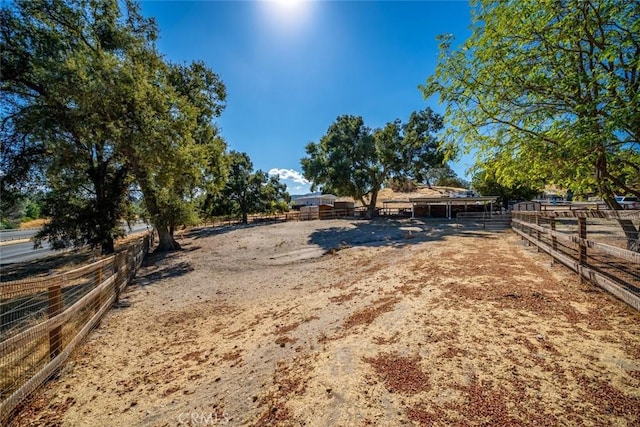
486	184
247	192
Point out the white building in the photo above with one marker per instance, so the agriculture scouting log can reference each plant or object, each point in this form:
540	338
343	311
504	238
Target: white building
315	200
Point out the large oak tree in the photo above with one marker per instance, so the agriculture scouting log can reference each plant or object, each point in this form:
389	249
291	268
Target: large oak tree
353	160
91	108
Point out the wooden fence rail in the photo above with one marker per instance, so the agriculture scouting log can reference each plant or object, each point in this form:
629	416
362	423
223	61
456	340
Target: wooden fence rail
608	265
288	216
484	220
43	319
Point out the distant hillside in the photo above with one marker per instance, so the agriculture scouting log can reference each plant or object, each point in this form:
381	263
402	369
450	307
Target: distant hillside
389	194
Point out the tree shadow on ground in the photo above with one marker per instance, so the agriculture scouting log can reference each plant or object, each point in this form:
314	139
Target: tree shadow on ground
165	268
393	233
208	231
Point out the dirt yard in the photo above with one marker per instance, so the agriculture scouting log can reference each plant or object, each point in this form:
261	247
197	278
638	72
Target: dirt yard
344	323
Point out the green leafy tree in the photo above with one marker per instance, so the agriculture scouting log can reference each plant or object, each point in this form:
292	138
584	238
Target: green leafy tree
247	192
60	63
170	143
486	184
444	176
352	160
418	147
548	93
33	210
93	109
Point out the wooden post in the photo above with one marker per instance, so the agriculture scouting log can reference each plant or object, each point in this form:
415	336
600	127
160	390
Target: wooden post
55	308
554	240
538	232
99	276
117	265
582	233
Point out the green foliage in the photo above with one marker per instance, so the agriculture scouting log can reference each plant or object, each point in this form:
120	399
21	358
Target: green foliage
92	109
486	184
345	161
62	64
247	192
353	160
170	143
444	176
74	222
32	210
547	93
20	208
418	148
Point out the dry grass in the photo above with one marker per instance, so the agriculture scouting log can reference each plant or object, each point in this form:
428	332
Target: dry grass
367	315
466	329
400	374
34	223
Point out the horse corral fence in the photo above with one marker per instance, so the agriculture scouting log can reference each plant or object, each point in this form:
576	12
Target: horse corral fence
484	220
591	243
43	319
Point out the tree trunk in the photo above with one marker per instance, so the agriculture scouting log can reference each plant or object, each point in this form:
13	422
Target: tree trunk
371	209
605	188
245	218
166	241
107	246
629	229
631	233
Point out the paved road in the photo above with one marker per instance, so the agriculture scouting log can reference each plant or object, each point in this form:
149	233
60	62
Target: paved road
6	235
11	253
22	252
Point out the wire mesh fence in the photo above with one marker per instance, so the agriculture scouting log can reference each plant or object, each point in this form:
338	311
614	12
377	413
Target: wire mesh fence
43	319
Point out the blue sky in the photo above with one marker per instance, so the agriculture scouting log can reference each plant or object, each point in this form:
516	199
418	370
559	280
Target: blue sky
291	68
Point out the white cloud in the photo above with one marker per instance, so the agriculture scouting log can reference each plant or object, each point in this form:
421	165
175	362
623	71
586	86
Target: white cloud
289	174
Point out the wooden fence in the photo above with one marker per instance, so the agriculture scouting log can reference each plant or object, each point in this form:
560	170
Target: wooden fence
288	216
43	319
484	220
254	218
591	243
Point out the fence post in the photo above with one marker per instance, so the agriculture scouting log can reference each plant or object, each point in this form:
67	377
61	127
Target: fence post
55	308
554	240
582	234
99	275
538	232
119	275
102	297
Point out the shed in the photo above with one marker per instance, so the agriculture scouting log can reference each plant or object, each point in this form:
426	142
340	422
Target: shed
344	208
315	200
309	212
448	207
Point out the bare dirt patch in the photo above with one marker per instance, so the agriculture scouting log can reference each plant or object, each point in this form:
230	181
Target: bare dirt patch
349	324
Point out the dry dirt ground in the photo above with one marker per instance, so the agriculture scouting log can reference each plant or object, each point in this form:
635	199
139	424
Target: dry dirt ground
345	323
